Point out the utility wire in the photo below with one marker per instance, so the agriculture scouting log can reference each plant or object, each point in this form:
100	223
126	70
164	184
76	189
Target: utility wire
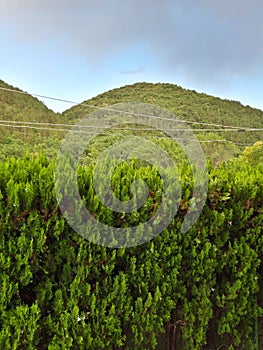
2	122
37	95
104	134
130	113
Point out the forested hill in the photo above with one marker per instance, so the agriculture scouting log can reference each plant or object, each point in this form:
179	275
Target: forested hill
185	104
20	115
219	144
23	107
188	104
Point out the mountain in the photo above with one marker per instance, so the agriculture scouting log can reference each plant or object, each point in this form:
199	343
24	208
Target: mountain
219	143
189	105
23	107
15	110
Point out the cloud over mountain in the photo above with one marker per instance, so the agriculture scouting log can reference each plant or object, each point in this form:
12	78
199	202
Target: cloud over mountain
204	39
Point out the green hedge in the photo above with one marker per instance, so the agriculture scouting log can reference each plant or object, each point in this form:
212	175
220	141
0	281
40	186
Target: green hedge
196	290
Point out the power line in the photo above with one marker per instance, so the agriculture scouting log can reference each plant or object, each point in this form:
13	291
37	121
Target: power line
37	95
127	128
46	128
132	113
104	134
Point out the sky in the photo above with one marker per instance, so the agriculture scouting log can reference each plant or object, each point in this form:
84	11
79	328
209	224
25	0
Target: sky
77	49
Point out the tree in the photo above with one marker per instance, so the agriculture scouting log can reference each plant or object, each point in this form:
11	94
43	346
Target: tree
254	154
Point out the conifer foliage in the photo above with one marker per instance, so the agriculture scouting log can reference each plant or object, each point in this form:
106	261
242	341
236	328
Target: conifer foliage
196	290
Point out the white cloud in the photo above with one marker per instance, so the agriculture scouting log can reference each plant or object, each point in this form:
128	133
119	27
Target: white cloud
207	39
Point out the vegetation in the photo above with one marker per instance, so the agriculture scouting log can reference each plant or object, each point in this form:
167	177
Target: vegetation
185	104
15	139
254	154
197	290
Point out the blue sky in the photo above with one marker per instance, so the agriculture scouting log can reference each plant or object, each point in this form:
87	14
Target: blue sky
77	49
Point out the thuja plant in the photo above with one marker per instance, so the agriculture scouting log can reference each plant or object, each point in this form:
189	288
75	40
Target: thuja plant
197	290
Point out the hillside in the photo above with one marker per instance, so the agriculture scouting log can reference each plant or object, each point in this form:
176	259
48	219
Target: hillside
185	104
15	110
189	106
23	107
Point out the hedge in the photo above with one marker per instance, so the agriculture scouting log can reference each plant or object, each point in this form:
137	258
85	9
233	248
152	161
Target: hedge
198	290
